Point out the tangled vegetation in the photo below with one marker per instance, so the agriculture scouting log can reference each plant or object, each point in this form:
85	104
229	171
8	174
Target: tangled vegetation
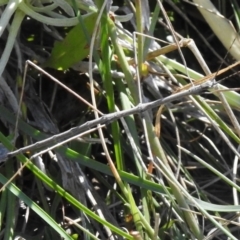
106	130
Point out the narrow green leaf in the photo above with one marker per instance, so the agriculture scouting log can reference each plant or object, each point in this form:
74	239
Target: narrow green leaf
17	192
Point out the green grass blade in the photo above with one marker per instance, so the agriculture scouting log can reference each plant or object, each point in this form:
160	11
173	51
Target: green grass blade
18	193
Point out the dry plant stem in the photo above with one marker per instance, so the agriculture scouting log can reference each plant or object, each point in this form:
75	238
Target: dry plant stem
20	104
53	97
173	120
162	51
158	121
184	16
75	223
214	124
174	35
96	206
235	193
140	21
162	168
216	179
140	94
192	46
28	62
93	39
221	96
26	219
210	76
139	65
14	175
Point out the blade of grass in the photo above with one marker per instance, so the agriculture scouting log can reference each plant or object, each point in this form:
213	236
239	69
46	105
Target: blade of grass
105	69
13	190
11	215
